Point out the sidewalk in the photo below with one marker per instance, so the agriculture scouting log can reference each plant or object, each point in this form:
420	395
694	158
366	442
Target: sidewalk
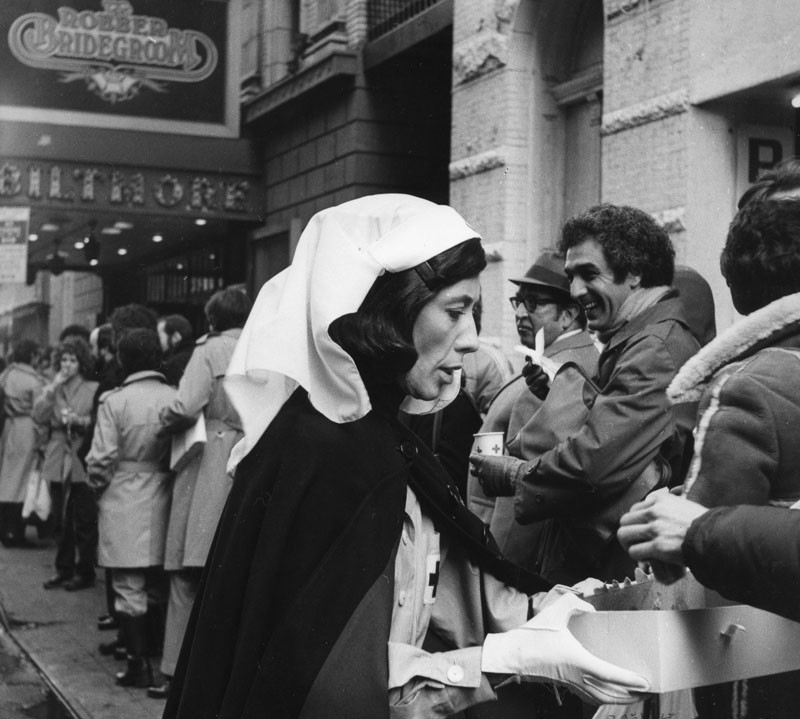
57	630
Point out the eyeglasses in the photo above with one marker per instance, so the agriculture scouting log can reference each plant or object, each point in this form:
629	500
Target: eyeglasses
531	303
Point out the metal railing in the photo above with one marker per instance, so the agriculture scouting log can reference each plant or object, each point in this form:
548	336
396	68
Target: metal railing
385	15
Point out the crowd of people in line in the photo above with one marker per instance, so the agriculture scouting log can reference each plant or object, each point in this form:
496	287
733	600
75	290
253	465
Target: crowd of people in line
356	558
94	424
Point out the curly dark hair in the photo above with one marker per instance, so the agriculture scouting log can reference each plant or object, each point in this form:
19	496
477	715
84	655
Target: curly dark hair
761	257
78	347
632	242
71	331
139	350
783	177
379	337
128	317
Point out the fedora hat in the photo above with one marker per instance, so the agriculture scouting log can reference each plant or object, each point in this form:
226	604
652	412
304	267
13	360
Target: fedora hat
547	271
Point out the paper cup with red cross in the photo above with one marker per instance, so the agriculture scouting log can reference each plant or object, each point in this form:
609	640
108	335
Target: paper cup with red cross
488	443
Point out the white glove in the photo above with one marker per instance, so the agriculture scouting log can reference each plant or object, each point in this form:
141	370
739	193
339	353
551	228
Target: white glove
544	649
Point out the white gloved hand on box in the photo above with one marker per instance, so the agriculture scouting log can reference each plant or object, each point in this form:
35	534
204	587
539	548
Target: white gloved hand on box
544	649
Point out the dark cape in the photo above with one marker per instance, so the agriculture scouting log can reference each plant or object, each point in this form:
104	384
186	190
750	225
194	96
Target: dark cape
293	612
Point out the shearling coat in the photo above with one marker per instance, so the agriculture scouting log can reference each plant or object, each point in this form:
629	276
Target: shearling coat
129	465
20	439
746	444
202	487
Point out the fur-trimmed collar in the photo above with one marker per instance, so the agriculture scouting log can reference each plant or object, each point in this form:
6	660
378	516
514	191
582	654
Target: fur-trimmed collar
750	333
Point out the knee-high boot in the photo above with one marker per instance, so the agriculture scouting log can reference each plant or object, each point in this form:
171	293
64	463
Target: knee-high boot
139	673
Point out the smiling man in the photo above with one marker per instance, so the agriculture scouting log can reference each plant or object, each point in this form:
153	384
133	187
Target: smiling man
620	267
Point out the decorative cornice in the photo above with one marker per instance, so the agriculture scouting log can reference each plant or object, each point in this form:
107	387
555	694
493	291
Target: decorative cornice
475	164
671	219
479	55
656	108
339	65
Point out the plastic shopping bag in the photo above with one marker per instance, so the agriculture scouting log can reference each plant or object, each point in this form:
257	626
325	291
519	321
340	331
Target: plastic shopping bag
37	496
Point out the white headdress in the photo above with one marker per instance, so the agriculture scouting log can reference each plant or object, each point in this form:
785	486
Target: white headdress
285	342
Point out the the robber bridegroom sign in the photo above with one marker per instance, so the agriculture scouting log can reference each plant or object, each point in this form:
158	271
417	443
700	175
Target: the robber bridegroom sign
134	64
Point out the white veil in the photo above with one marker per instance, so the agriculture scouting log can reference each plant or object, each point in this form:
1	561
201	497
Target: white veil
285	341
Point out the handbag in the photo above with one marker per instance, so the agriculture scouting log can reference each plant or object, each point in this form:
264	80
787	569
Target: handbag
188	444
37	495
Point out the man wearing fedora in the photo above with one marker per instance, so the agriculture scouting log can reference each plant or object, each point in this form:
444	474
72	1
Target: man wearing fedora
542	302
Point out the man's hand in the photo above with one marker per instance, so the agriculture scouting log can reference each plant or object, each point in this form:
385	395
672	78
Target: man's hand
537	380
497	475
654	529
544	649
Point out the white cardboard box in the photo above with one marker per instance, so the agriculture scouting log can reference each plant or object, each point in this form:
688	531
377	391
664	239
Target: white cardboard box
682	648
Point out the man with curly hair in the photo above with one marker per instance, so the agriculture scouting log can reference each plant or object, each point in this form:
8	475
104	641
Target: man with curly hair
628	440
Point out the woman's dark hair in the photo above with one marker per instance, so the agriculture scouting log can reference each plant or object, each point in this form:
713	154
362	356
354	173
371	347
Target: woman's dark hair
228	309
78	347
379	336
139	350
25	351
783	177
632	242
761	258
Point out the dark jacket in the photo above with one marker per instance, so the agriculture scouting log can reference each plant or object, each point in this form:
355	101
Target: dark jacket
584	480
750	555
294	608
175	362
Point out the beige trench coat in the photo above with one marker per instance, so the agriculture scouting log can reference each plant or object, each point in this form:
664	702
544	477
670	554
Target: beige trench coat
60	454
20	440
129	464
202	487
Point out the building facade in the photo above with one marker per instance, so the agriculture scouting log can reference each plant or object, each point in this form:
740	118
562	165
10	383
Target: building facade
519	113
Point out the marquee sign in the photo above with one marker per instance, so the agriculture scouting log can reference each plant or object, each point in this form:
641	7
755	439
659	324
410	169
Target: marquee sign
114	51
73	185
134	64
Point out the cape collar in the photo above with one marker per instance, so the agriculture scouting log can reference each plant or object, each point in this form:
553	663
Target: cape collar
757	330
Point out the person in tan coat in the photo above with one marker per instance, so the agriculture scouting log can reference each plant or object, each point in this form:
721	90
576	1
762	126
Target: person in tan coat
65	407
128	467
202	487
20	384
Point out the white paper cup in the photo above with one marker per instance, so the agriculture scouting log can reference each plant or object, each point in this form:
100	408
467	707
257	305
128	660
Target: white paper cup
488	443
